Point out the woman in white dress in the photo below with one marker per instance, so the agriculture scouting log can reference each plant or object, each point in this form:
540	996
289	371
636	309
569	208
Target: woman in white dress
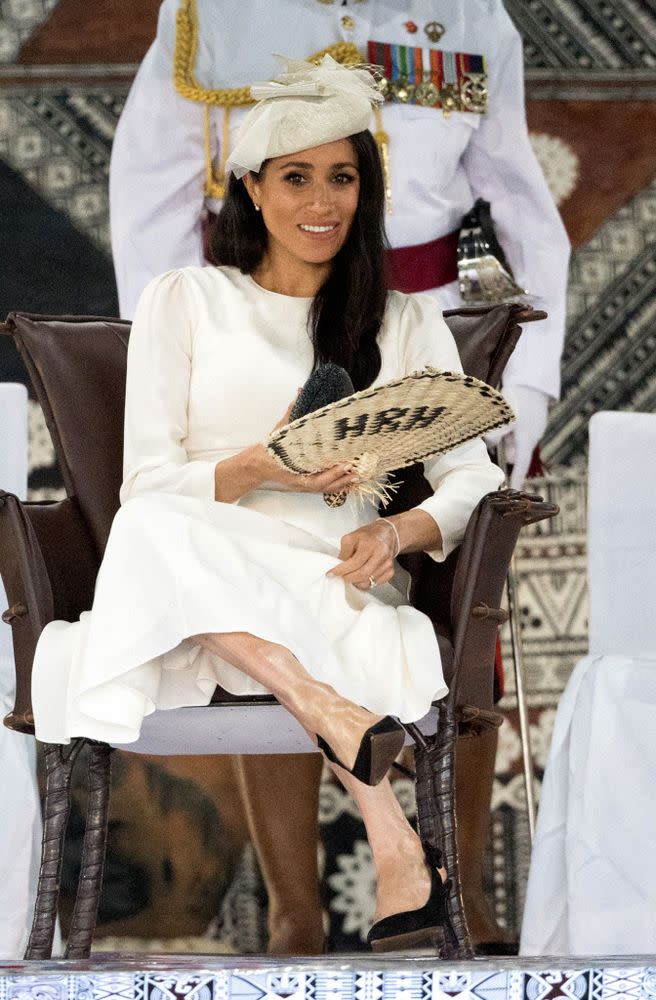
222	567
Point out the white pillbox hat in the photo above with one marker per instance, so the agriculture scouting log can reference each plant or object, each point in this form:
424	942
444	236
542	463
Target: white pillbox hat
306	106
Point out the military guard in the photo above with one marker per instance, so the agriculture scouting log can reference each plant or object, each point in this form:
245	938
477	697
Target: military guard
452	130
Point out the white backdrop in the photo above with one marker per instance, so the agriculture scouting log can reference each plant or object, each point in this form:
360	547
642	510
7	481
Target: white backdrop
592	882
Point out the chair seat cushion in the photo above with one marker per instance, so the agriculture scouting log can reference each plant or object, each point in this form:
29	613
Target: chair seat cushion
245	726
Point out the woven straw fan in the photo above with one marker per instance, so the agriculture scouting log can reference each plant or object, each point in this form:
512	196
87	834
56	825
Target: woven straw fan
379	430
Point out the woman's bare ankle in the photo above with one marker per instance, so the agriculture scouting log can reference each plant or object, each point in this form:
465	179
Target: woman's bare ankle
403	884
404	876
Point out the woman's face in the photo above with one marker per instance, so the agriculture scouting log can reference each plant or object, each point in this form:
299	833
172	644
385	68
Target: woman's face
308	200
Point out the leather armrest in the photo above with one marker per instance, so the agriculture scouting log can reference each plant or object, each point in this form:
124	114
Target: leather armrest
44	550
483	563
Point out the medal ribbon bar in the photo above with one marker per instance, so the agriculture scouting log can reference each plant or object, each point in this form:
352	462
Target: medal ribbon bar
432	78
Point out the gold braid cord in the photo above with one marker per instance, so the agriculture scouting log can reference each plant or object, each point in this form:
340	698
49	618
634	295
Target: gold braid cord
184	59
186	84
382	141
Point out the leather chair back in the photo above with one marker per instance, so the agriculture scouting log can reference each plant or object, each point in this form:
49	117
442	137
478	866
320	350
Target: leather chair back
485	337
77	367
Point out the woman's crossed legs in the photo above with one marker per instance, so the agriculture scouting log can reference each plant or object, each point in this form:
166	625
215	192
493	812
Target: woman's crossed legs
403	880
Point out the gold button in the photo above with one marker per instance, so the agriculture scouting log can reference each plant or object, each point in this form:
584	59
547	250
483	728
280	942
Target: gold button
347	22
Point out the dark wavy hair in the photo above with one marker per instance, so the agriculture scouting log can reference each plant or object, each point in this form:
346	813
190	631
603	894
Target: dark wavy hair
347	311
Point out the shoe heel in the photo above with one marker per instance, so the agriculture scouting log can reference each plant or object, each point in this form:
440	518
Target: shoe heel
384	749
435	941
427	929
379	748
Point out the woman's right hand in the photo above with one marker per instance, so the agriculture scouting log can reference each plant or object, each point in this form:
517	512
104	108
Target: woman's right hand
254	469
336	479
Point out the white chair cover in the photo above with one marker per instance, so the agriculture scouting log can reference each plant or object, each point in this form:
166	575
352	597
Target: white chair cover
20	834
592	881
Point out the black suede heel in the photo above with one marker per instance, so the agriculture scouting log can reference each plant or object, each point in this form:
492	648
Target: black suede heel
428	929
379	748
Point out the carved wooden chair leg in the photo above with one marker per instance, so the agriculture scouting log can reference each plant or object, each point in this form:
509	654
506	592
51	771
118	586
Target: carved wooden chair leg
85	911
436	813
59	761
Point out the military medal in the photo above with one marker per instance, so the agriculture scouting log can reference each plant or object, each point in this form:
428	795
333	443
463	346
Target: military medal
403	73
403	90
383	85
451	92
432	78
473	92
428	92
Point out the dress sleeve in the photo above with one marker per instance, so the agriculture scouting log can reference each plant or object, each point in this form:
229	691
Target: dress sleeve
502	168
156	174
463	476
156	399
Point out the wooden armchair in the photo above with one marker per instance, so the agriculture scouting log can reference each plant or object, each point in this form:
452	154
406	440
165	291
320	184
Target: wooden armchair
50	553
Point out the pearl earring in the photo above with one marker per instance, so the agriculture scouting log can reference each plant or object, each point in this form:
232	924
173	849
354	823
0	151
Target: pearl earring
256	207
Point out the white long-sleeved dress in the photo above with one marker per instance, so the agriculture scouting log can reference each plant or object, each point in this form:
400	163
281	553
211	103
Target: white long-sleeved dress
214	360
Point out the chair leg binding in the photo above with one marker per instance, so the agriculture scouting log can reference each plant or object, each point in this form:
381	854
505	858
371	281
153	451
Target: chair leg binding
436	819
59	761
85	911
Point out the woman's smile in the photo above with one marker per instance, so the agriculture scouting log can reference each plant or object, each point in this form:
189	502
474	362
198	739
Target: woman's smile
325	230
308	202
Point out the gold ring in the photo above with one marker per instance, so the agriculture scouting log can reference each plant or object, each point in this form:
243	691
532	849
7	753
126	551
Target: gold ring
372	582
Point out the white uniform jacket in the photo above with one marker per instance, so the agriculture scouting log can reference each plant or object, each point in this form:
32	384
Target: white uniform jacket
439	165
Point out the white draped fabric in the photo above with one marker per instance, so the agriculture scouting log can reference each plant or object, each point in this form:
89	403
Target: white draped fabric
592	883
20	834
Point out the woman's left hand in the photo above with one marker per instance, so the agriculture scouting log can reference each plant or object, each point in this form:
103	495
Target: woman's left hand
368	556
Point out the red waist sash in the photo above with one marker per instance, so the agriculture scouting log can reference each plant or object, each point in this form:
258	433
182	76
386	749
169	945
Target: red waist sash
424	266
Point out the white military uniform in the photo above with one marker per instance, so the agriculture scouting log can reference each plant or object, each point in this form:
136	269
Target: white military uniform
439	165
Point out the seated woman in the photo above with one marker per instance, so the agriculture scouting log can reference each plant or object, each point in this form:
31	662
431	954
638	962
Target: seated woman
223	568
